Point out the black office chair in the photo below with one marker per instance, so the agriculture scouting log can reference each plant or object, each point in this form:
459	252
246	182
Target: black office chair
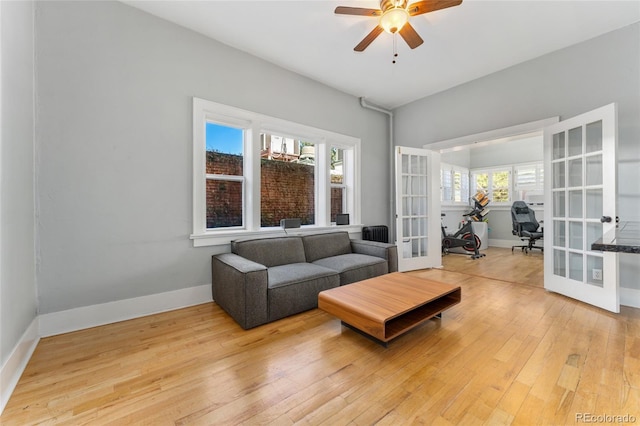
525	226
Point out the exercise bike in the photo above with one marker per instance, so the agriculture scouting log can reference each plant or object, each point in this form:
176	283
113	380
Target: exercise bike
463	237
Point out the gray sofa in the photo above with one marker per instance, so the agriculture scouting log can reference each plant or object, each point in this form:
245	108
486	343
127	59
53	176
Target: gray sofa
265	279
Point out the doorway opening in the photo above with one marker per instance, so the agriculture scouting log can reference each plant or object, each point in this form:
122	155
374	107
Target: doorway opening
514	157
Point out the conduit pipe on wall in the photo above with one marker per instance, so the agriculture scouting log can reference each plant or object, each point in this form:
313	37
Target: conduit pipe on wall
392	222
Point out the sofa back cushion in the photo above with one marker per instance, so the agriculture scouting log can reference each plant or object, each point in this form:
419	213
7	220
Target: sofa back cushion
270	251
319	246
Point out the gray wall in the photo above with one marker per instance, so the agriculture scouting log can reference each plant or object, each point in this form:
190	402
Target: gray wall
458	158
18	301
565	83
114	141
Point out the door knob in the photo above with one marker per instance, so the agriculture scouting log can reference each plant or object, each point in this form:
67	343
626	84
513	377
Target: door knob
606	219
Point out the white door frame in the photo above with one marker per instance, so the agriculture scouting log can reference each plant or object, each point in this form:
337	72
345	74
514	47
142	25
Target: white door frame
499	135
492	136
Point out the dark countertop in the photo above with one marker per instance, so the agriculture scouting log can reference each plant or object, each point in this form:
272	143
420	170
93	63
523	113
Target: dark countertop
624	239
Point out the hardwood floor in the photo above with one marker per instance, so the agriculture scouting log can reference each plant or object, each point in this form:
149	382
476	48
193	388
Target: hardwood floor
501	264
509	353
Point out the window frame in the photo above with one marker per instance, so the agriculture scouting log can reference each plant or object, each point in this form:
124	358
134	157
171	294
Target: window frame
539	176
452	170
514	188
316	174
254	124
345	178
536	188
491	171
229	178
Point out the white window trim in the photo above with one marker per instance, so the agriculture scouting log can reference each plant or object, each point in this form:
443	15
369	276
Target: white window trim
539	185
446	167
513	188
256	123
490	171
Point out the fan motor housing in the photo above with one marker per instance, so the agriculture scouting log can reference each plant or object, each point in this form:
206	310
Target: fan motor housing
390	4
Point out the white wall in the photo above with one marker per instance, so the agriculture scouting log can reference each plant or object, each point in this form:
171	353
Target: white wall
565	83
18	301
114	89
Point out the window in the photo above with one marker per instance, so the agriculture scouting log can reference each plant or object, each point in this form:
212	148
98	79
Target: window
338	183
454	184
225	180
251	170
446	184
287	180
500	184
528	183
506	184
496	183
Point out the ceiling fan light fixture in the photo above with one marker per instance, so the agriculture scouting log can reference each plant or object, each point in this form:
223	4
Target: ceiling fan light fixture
394	19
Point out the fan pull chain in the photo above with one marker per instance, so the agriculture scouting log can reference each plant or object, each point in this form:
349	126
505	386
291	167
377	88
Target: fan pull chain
395	49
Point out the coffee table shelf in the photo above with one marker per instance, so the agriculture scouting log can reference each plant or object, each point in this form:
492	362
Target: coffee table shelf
405	322
388	306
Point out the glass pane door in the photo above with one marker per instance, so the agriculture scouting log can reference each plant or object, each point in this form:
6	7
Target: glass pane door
578	203
580	153
417	208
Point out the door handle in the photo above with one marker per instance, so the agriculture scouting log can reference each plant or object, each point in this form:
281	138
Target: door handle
607	219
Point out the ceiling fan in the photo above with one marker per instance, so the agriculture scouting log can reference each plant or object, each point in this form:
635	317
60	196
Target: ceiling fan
394	18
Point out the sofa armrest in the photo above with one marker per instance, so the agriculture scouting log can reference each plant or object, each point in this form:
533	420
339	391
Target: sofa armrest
239	286
389	252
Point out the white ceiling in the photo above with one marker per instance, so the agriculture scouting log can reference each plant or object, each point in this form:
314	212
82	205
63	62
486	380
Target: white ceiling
461	43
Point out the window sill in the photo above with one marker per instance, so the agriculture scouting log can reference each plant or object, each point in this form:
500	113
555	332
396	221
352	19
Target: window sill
219	238
444	206
507	206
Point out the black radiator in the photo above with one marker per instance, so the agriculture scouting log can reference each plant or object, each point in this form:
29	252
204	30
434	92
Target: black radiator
376	233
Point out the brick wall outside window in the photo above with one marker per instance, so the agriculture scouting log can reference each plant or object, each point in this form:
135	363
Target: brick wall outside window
287	191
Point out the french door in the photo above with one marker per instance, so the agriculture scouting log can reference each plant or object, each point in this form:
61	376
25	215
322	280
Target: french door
580	206
418	208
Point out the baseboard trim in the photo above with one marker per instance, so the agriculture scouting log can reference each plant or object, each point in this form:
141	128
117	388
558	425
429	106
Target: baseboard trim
90	316
630	297
122	310
13	368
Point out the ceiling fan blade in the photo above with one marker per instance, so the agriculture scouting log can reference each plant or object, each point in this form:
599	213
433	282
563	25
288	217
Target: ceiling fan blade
344	10
410	35
426	6
369	38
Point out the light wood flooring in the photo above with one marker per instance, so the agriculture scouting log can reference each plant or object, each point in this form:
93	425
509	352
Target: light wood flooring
500	264
509	353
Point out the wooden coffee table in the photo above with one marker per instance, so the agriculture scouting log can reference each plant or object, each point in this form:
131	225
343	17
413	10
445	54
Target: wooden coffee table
389	305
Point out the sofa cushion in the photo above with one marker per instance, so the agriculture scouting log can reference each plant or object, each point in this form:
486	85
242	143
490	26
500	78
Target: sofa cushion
294	288
354	267
319	246
270	251
293	273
